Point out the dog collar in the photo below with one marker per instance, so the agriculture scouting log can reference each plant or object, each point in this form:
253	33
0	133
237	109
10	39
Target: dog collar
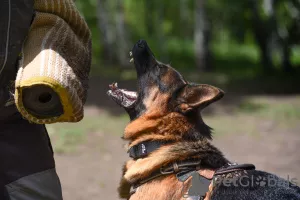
143	149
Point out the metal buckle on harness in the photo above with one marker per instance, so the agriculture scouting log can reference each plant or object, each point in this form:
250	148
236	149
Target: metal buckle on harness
176	167
167	170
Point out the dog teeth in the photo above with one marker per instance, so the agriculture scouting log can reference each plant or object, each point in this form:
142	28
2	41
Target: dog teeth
113	86
131	60
130	53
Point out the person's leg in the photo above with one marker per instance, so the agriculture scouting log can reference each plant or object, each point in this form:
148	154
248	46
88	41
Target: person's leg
27	169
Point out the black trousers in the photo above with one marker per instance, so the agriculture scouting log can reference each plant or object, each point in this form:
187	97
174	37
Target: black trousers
27	167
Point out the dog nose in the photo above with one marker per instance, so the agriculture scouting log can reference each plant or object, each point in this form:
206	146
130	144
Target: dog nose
141	51
141	44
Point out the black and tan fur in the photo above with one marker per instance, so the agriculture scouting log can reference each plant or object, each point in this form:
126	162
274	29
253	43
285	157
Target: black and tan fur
168	109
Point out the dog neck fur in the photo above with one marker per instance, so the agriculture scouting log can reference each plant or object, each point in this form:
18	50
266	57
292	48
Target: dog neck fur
173	124
174	127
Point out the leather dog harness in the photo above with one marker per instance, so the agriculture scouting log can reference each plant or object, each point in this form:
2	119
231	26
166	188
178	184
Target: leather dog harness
202	179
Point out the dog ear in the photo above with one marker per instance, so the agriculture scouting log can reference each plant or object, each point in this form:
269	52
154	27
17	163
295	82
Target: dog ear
194	96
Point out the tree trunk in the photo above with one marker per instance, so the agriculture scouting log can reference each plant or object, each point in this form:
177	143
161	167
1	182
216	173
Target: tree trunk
285	36
285	52
161	35
122	37
184	18
148	17
263	32
107	32
202	37
286	55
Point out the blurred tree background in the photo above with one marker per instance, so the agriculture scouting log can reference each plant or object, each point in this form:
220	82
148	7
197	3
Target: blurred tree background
243	39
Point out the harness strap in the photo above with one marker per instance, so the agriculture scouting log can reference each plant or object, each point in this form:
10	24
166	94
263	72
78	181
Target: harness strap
234	167
179	168
186	169
183	170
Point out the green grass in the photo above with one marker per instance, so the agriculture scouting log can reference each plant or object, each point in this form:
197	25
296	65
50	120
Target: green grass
250	107
66	137
278	111
255	115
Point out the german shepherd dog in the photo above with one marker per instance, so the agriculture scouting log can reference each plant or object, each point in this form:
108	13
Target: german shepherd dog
169	143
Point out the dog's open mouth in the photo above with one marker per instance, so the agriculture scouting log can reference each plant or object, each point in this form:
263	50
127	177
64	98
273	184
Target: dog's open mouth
143	59
122	97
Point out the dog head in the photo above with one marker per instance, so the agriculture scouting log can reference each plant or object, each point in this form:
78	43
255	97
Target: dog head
162	91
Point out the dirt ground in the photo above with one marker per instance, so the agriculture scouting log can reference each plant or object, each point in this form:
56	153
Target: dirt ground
271	143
